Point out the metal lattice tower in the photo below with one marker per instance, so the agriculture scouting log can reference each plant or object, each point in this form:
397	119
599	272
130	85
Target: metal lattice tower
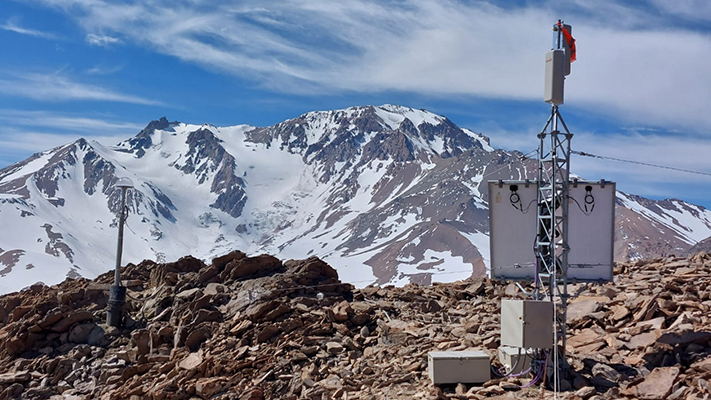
551	245
552	216
552	233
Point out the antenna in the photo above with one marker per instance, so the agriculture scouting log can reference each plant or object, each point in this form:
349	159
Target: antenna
551	245
513	230
537	325
558	61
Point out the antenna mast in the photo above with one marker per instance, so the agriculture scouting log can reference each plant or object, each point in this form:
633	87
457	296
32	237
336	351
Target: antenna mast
551	245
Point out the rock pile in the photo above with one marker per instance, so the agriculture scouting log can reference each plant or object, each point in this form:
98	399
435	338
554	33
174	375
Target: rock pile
648	334
258	328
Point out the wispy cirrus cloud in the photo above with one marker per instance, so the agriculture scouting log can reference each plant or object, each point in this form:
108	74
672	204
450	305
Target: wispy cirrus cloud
101	40
628	53
679	152
692	10
322	45
23	132
59	87
634	145
66	122
17	144
13	25
104	69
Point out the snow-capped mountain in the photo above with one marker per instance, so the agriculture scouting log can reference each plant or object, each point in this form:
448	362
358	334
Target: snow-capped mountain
385	194
652	228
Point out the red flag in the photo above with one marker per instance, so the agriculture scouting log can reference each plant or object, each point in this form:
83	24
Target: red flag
569	39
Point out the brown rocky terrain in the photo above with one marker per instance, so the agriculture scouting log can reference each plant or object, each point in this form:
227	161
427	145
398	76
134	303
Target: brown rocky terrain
259	328
704	245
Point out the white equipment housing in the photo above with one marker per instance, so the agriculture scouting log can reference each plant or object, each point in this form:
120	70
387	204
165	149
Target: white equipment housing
527	324
446	367
515	359
512	230
555	76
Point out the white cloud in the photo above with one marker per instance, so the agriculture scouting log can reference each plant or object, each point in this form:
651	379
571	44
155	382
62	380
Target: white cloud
657	78
99	40
634	64
18	144
58	87
12	25
681	151
695	10
67	122
23	132
29	141
324	45
104	70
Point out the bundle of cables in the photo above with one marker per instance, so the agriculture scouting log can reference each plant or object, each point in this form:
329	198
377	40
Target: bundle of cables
537	367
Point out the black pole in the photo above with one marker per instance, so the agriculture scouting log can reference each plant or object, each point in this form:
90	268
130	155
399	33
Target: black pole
117	293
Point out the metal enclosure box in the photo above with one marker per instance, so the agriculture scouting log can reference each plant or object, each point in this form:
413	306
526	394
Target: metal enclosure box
514	356
591	241
555	77
527	324
512	232
512	229
458	367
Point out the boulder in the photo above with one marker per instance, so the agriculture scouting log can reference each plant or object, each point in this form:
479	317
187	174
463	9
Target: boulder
70	319
191	361
658	384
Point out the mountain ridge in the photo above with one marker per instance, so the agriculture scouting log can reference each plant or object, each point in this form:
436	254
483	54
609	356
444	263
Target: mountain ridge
386	194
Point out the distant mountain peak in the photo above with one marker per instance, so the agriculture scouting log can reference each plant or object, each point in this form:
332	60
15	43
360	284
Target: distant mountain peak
387	194
144	138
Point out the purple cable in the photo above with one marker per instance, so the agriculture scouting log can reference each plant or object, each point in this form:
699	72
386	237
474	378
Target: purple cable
535	380
521	373
539	375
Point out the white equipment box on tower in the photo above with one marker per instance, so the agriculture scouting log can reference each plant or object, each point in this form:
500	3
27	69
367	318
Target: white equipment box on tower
555	77
527	324
458	367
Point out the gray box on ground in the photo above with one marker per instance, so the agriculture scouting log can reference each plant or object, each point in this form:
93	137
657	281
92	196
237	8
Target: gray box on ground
458	367
527	324
515	359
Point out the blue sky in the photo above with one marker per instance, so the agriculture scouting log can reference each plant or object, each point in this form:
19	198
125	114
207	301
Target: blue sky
100	69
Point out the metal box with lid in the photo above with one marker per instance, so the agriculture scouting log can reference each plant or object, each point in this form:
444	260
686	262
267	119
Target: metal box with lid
515	359
527	324
458	367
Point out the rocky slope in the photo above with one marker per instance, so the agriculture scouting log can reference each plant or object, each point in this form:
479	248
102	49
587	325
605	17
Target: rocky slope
258	328
704	245
646	228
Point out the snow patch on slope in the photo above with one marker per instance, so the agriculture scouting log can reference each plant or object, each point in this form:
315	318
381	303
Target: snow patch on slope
394	115
690	228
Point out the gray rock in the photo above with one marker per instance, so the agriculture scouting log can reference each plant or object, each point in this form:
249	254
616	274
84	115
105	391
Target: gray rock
80	333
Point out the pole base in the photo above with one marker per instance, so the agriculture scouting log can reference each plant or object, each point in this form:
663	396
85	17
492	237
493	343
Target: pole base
117	299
